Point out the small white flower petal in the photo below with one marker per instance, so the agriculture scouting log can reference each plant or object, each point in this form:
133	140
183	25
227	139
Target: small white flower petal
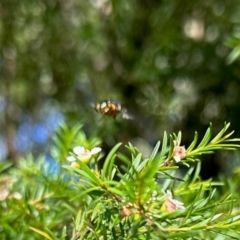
71	158
154	193
79	150
17	195
169	193
96	150
177	158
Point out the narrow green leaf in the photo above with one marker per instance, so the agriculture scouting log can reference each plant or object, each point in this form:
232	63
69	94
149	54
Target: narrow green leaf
86	192
96	210
155	150
110	183
114	233
84	171
220	134
136	161
64	233
115	191
109	162
232	140
194	142
231	146
124	159
187	179
191	208
164	145
215	216
114	170
206	137
4	165
131	148
167	168
170	153
79	222
212	191
169	176
200	203
226	136
40	232
197	152
193	219
151	169
190	159
143	164
196	173
179	137
185	164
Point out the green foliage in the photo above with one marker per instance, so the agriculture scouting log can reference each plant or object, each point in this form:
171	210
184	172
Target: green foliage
165	61
66	138
128	197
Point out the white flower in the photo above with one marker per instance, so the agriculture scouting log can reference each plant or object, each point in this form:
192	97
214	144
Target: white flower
84	155
79	150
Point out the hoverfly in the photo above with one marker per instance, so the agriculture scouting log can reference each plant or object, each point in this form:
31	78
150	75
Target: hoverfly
112	108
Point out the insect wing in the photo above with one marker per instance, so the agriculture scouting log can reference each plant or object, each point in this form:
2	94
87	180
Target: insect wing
126	114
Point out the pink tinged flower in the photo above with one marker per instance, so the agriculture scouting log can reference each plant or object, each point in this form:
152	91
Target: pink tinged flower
179	152
170	204
6	183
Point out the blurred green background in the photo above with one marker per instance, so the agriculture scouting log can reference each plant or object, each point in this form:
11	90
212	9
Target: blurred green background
172	64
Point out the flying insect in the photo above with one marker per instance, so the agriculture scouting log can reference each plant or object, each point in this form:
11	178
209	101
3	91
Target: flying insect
112	108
